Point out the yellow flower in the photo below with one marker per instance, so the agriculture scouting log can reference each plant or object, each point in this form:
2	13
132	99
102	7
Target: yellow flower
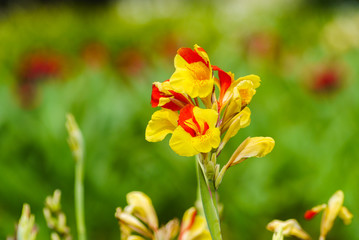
193	130
196	131
252	147
240	95
331	210
287	228
241	120
138	221
193	75
140	205
193	227
139	217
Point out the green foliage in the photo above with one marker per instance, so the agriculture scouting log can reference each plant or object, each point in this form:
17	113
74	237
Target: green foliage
316	134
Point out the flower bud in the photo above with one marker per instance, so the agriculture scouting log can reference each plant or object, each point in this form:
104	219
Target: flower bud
26	229
287	228
75	139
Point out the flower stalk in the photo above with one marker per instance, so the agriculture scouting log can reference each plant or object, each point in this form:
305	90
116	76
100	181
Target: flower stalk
202	120
209	202
76	144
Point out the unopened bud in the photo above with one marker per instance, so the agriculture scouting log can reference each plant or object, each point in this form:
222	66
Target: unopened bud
26	228
75	139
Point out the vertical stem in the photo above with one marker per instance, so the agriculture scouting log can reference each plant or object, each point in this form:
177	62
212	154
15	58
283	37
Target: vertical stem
209	204
79	198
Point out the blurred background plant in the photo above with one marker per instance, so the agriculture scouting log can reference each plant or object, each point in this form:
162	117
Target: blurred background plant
98	61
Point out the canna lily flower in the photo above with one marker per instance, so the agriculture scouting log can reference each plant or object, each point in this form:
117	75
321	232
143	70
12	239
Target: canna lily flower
138	216
169	231
241	120
240	95
193	130
141	206
193	227
287	228
331	210
251	147
224	81
138	221
193	74
196	131
164	96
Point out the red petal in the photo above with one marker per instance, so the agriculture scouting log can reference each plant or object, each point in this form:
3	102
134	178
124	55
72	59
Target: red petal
310	214
190	56
200	49
172	106
185	114
155	96
215	68
180	97
206	127
225	80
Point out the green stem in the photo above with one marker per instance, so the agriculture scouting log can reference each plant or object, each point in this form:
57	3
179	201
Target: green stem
209	204
79	199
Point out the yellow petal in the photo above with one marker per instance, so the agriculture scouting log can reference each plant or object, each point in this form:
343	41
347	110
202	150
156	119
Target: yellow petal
203	54
206	115
241	120
345	215
289	227
181	143
252	147
163	122
187	218
181	80
245	89
241	96
135	237
169	231
194	79
141	206
132	222
193	230
253	78
206	142
331	212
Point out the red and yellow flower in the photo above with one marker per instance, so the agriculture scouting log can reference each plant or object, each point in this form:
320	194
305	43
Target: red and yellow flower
193	129
199	128
332	210
196	131
193	75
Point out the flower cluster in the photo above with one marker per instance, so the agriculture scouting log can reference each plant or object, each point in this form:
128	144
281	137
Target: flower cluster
332	210
138	221
203	106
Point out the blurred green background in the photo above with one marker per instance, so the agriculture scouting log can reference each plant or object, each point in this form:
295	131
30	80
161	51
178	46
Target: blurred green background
98	60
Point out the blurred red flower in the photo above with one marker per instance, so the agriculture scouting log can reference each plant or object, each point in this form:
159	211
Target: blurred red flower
34	68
